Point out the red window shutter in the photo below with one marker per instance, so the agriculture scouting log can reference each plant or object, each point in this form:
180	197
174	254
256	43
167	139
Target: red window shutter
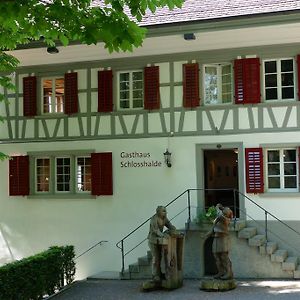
19	176
151	88
71	93
102	179
254	170
298	70
191	85
105	91
247	80
29	96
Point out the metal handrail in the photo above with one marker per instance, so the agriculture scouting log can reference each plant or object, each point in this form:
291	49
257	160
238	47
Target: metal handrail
120	244
88	250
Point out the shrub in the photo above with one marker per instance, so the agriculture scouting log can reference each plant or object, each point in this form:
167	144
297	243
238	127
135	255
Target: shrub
207	216
37	275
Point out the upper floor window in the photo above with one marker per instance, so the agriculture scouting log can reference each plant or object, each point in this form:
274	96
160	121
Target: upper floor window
53	95
279	79
281	169
130	86
218	84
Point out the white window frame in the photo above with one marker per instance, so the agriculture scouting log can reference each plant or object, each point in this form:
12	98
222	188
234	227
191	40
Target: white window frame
71	182
130	89
281	166
76	174
52	105
36	175
219	67
279	86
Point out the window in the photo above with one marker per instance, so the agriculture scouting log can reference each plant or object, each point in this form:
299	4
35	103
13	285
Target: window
218	84
279	79
130	89
42	174
83	169
71	173
63	174
53	95
281	169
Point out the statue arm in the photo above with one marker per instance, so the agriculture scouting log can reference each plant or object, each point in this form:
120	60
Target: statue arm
169	225
154	228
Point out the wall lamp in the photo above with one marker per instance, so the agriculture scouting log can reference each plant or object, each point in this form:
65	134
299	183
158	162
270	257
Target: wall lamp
189	36
167	156
52	50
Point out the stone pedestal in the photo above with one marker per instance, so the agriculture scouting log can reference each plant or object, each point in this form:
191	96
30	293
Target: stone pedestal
217	285
172	264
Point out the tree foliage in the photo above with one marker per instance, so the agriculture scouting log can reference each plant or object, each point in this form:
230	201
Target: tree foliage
84	21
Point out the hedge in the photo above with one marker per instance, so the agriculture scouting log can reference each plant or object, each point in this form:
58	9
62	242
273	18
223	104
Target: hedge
38	275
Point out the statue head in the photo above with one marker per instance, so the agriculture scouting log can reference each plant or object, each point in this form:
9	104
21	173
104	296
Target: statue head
161	211
227	212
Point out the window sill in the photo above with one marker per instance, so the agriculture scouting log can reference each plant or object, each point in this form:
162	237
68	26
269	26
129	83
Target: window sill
280	194
61	196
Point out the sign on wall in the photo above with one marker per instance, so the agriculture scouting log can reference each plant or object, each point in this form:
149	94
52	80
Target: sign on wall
136	159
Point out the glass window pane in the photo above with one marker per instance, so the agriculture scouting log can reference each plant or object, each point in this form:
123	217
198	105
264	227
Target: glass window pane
270	67
124	95
273	156
43	174
137	103
289	155
138	85
290	182
271	80
137	94
290	169
124	104
124	86
271	94
287	79
83	174
124	76
286	65
137	75
288	93
273	169
274	182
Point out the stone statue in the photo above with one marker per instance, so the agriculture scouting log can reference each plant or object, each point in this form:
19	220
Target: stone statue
221	242
155	239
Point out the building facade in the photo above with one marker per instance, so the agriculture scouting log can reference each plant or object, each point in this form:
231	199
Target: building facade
87	131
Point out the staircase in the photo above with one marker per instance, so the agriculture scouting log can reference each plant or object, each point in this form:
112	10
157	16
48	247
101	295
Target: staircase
265	253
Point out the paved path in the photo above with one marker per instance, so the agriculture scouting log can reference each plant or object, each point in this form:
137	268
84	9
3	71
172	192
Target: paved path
130	289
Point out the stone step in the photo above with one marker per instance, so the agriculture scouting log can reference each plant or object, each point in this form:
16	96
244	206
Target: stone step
257	240
144	261
290	264
145	272
268	248
279	256
247	233
237	225
134	268
297	273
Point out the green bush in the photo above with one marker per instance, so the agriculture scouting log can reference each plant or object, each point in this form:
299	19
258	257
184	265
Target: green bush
207	216
38	275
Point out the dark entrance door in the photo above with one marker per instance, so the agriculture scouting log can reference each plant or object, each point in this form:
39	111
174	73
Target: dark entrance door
221	172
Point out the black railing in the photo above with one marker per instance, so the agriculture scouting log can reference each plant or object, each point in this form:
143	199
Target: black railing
236	210
89	249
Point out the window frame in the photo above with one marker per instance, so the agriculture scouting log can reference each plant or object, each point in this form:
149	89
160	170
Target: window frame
130	90
76	174
52	156
219	67
281	170
278	77
53	97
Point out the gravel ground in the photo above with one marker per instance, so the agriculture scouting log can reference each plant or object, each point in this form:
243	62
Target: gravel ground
130	289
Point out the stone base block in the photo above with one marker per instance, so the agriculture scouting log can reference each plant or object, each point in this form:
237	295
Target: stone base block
216	285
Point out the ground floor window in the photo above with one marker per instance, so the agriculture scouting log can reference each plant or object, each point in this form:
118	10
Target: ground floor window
70	173
282	170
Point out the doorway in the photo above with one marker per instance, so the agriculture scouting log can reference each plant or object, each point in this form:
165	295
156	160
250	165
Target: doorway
220	177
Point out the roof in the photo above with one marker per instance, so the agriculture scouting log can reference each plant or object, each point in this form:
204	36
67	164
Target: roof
204	10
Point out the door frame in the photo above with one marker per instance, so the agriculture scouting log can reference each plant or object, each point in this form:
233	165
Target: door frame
200	172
